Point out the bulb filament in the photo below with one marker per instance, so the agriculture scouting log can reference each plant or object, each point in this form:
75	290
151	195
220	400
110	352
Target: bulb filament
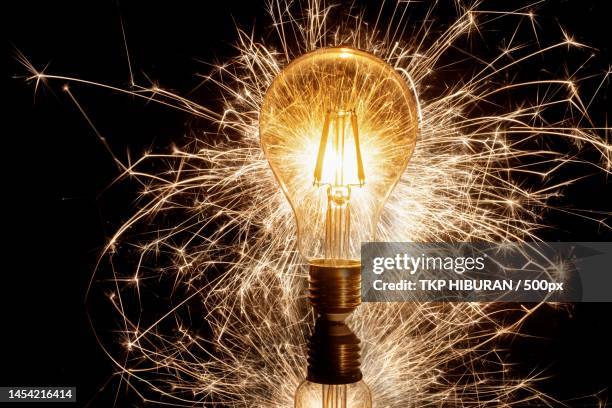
339	166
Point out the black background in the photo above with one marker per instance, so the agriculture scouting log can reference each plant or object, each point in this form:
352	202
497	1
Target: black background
56	171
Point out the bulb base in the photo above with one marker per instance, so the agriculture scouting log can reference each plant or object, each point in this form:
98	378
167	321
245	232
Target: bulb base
334	287
334	355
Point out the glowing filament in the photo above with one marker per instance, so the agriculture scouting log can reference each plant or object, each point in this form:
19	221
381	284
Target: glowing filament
339	161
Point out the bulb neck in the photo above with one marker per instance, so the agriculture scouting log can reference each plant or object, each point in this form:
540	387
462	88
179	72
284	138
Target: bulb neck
333	354
334	287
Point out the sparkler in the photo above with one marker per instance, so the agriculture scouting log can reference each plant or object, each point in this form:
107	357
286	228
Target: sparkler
214	238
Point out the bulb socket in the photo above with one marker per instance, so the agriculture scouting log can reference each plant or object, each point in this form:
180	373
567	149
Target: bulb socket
334	355
334	287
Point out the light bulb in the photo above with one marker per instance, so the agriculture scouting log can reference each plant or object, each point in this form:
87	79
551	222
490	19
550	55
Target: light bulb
338	127
313	395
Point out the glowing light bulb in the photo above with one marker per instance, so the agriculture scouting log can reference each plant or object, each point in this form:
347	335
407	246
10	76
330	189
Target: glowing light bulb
338	127
312	395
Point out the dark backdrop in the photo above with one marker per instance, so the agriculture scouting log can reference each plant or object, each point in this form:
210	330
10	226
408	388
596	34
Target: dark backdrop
57	216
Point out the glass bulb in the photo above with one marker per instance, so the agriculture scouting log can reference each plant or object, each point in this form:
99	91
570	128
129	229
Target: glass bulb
338	127
312	395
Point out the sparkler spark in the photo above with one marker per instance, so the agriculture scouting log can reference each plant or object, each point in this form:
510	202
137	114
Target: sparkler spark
214	239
